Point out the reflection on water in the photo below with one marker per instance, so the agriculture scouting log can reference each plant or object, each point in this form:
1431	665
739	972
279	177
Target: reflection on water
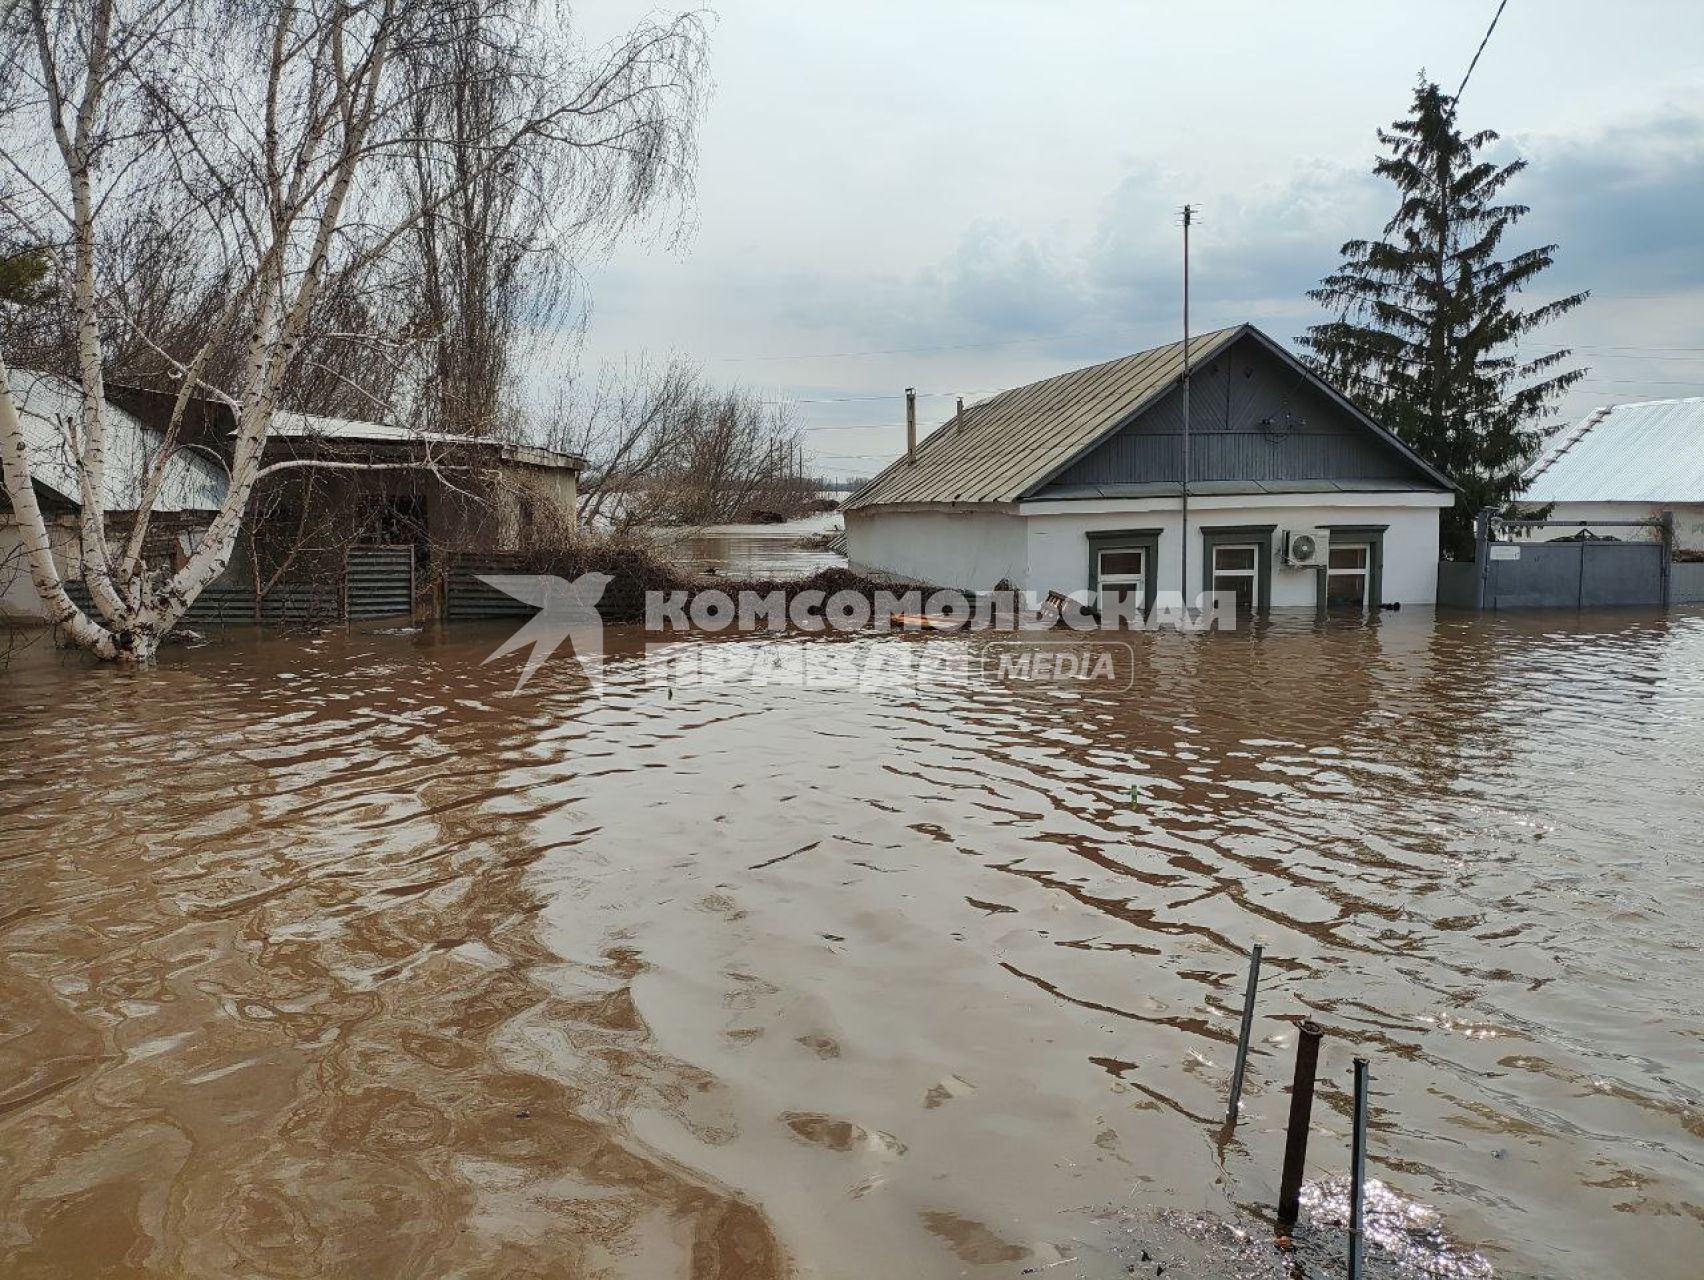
333	957
787	550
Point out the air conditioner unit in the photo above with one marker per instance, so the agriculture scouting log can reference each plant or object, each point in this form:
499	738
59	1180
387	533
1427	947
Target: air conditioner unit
1305	548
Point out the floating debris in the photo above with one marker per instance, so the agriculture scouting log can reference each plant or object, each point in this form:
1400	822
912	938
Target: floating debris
1405	1241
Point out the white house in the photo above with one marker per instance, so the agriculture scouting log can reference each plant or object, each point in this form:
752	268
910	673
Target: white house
1295	498
1625	462
49	409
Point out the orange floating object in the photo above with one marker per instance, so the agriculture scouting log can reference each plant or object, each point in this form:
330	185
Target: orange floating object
927	621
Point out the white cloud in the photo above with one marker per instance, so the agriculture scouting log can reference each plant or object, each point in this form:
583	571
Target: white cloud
969	195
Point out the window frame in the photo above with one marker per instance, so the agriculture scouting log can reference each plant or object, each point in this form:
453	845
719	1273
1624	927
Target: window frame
1147	541
1372	537
1363	571
1235	535
1121	579
1251	573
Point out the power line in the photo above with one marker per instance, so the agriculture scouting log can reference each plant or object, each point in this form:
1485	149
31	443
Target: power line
889	351
1068	333
857	426
906	351
921	395
859	399
1481	49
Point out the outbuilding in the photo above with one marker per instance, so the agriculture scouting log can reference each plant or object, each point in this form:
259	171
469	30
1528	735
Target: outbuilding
1282	490
50	407
1625	463
362	519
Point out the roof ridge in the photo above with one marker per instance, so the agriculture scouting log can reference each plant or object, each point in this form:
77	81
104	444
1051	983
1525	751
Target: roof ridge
1642	404
1195	340
1568	438
998	406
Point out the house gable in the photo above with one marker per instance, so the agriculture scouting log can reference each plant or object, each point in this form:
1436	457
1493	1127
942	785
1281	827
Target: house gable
1259	421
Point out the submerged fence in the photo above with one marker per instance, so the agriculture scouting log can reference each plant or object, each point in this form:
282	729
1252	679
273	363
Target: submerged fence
377	582
298	603
1516	566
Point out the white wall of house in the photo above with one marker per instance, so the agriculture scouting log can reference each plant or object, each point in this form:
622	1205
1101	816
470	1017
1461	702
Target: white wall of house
973	548
18	598
1688	521
1043	546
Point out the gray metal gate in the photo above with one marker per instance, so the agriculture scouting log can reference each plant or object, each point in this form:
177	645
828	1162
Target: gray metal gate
379	582
467	599
1520	572
289	603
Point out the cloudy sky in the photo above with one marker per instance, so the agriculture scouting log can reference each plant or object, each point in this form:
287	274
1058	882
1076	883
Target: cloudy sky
964	195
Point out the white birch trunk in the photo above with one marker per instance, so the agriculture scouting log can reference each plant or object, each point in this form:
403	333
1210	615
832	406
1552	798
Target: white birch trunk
44	573
270	210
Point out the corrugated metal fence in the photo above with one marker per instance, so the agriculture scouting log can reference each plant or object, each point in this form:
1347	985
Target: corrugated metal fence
300	603
467	599
378	582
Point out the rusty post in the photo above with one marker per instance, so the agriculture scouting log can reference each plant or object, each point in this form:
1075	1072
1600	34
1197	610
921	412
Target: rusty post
1243	1035
1301	1110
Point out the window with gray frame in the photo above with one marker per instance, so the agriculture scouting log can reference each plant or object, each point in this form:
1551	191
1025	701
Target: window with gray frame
1238	559
1124	561
1352	579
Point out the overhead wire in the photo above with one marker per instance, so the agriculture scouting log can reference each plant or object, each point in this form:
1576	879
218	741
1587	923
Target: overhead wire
1501	5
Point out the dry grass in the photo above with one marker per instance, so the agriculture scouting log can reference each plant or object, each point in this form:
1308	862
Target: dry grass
637	566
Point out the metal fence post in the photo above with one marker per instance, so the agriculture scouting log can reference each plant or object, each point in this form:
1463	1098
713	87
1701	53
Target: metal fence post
1301	1109
1668	554
1481	557
1243	1035
1358	1169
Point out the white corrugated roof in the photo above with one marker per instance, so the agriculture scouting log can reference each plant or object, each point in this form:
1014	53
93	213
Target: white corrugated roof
289	425
301	426
1647	452
50	410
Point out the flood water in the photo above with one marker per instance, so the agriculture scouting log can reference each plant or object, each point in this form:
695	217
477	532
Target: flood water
334	956
757	550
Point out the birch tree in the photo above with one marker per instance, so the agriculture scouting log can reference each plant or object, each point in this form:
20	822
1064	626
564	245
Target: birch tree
283	140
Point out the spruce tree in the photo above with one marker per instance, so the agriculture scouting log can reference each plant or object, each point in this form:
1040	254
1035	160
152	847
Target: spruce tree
1427	335
24	277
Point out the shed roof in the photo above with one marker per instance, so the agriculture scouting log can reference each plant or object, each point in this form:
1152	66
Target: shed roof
1652	451
50	410
1007	446
289	425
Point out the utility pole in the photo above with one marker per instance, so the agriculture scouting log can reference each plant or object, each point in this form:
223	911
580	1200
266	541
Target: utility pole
1183	542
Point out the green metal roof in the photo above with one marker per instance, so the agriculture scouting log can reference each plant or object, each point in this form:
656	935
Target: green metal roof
1005	447
1013	441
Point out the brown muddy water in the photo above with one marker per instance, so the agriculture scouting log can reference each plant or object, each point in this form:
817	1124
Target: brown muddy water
333	956
756	550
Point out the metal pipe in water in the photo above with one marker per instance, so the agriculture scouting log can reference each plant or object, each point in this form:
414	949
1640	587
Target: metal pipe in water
1301	1110
1358	1168
1243	1034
